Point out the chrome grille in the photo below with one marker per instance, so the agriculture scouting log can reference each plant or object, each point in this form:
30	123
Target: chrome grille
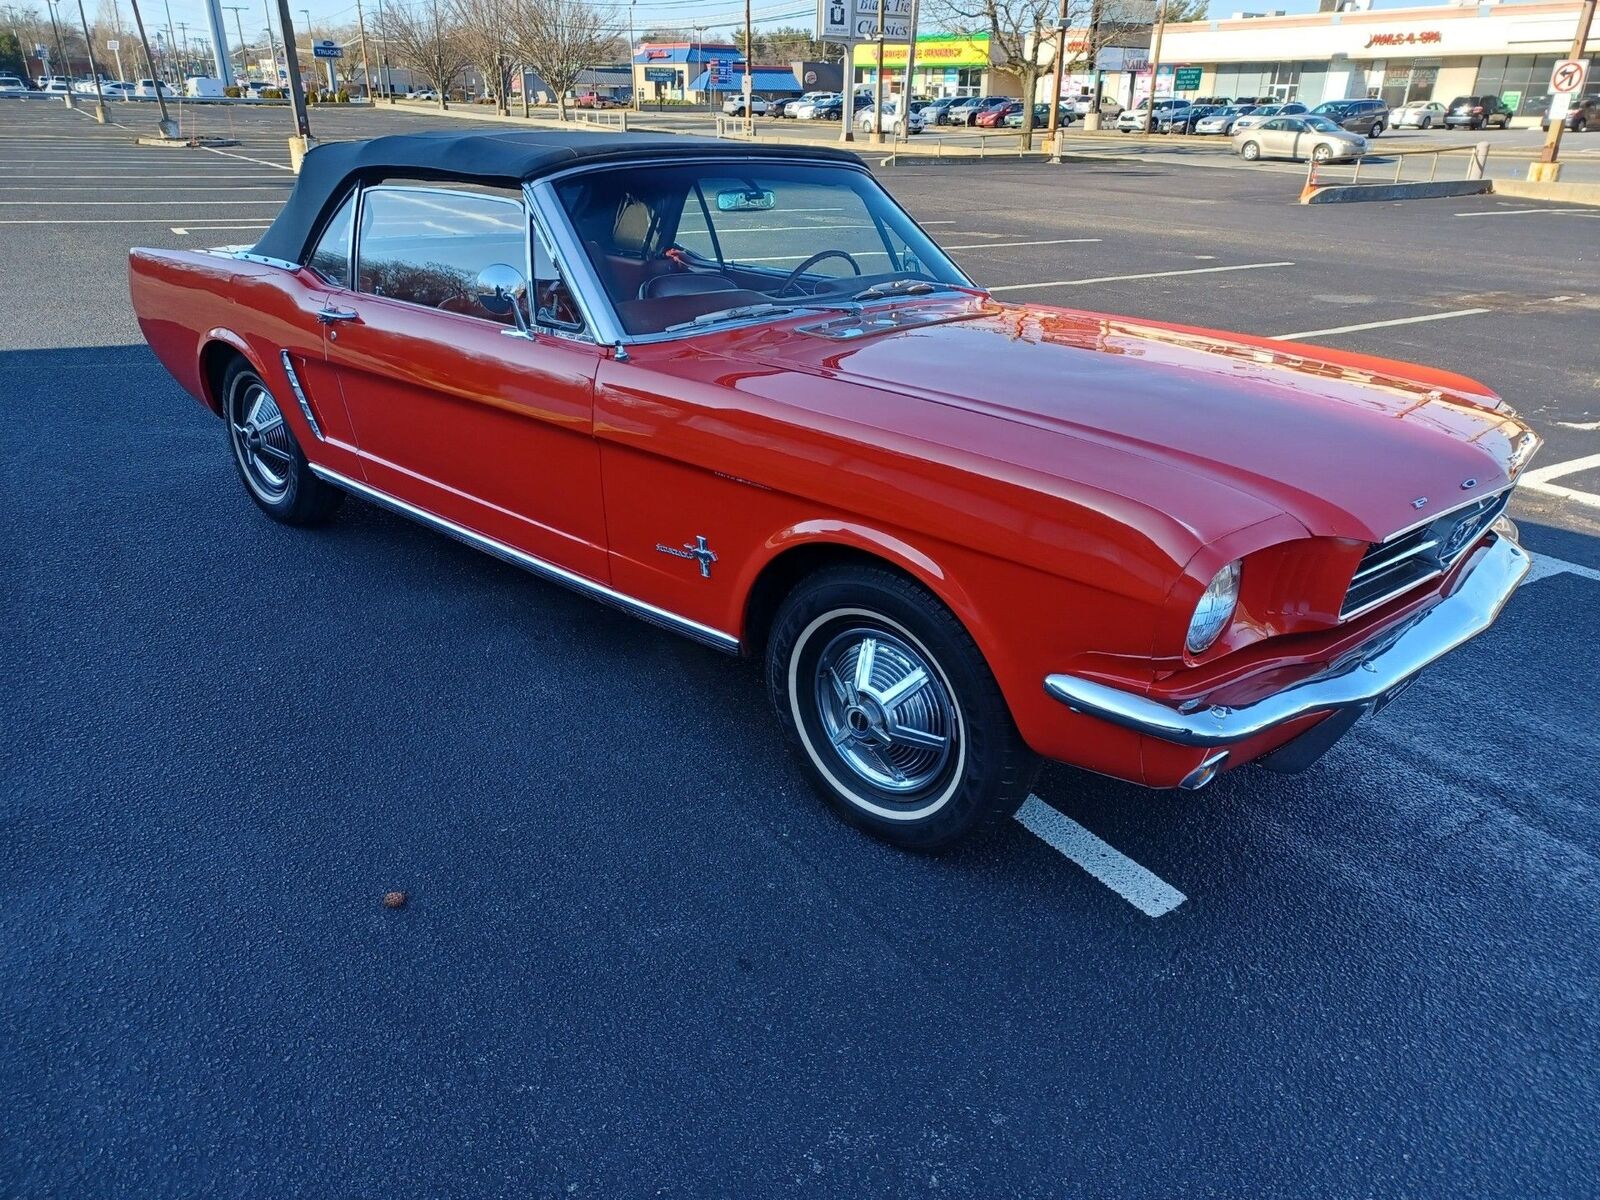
1407	559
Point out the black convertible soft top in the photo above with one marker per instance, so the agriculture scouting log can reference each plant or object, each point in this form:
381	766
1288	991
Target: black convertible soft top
506	158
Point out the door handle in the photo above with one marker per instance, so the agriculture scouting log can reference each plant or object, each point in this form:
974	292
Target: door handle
328	315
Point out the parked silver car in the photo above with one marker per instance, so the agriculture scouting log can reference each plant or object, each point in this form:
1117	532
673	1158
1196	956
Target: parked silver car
1223	120
1301	137
1267	111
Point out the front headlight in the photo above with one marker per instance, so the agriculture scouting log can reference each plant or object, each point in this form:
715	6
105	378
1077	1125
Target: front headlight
1215	610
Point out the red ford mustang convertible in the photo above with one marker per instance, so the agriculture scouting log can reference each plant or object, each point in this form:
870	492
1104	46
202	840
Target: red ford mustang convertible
738	392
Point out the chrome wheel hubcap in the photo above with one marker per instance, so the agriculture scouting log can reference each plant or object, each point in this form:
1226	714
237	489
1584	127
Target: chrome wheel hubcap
885	709
261	440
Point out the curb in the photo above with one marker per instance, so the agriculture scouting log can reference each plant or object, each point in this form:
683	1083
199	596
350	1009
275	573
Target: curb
185	143
1561	193
1351	193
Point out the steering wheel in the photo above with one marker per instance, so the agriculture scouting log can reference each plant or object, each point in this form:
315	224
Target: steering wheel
794	275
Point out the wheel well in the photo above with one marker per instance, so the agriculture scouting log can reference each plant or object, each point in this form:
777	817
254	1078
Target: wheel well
215	358
780	576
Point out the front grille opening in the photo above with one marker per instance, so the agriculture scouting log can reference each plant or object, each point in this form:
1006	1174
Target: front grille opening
1393	567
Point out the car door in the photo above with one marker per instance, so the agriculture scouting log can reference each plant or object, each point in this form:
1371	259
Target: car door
456	408
1277	137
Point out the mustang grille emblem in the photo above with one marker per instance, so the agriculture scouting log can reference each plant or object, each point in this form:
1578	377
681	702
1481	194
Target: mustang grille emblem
697	550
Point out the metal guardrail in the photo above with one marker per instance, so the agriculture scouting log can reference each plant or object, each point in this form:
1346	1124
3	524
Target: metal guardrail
605	118
1476	164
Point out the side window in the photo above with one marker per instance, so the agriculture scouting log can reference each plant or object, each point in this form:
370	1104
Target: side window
553	302
331	258
427	245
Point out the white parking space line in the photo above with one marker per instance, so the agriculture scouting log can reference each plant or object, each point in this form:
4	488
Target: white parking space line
1541	481
187	230
1545	567
175	203
1444	316
249	158
1143	889
1005	245
1522	212
1018	287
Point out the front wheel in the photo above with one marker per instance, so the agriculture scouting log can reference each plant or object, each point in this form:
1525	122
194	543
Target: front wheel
269	460
896	718
1322	154
1250	152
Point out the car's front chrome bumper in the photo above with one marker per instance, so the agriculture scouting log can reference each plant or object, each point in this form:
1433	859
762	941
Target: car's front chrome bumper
1363	678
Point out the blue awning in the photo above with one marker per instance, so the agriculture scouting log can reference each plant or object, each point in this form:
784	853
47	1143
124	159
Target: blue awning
763	79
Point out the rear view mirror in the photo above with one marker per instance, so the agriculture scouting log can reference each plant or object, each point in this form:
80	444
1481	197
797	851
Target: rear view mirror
746	200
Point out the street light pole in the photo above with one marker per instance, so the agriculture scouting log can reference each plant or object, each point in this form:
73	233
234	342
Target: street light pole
61	50
272	45
168	129
877	80
366	65
94	69
301	142
172	37
1546	167
384	68
904	130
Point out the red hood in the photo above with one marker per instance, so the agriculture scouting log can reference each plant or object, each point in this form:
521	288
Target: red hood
1345	444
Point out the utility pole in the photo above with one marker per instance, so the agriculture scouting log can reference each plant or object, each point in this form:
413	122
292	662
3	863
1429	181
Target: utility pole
1091	119
634	89
94	69
183	50
366	65
302	141
877	80
1546	167
1155	64
172	39
272	45
749	72
1054	131
384	69
61	50
244	48
911	72
168	129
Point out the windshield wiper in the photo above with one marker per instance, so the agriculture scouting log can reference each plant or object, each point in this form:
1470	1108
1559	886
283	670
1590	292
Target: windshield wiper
905	287
763	309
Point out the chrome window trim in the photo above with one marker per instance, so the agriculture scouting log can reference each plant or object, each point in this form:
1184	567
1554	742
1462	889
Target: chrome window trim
540	225
265	260
585	280
704	634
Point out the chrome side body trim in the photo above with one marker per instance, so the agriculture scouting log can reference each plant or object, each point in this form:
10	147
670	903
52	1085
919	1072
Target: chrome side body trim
645	611
1362	678
300	395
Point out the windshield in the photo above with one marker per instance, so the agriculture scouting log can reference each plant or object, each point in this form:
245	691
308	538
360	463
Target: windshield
1320	124
675	244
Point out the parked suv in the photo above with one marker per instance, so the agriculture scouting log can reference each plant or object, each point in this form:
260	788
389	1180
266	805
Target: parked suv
1369	117
1478	112
1582	114
1131	120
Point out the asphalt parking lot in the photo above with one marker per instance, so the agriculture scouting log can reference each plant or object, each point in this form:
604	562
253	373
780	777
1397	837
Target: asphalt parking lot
639	958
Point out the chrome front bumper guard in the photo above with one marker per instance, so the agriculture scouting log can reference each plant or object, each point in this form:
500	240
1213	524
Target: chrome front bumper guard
1363	678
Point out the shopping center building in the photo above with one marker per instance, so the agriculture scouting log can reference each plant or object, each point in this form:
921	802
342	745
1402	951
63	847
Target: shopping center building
1399	54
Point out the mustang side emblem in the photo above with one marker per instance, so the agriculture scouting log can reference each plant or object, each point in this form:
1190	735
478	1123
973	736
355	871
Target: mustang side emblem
697	550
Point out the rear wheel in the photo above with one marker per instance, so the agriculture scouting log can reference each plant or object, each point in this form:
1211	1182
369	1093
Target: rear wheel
1377	128
895	715
269	461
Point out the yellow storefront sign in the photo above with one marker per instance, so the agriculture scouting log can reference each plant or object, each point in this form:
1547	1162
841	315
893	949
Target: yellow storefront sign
950	50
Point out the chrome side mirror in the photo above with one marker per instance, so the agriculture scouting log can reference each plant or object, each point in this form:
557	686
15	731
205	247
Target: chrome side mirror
502	289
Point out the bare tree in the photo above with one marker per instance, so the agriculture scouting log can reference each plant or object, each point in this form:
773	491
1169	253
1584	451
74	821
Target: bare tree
429	41
559	38
1019	29
485	35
